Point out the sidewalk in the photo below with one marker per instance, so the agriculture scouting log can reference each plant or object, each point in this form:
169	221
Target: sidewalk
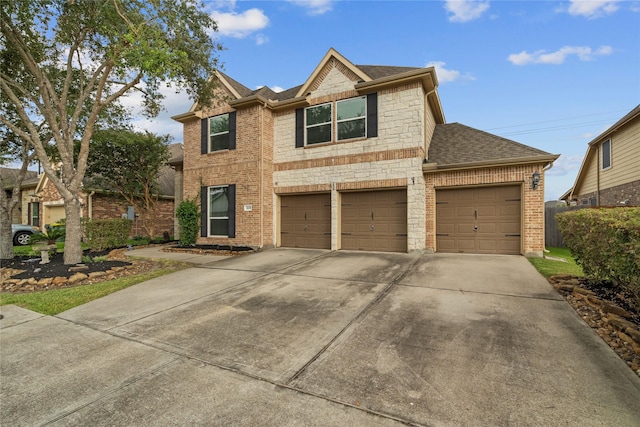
156	252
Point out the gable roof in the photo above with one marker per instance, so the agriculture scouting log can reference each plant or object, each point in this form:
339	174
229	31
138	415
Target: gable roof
9	176
372	78
592	147
455	146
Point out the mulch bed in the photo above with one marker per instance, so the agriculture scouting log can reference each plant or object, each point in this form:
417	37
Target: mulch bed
25	274
31	267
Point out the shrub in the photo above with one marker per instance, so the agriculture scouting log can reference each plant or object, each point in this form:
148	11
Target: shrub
188	219
102	234
605	243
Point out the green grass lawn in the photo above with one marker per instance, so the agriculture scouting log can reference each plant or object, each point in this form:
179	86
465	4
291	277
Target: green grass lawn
59	300
550	267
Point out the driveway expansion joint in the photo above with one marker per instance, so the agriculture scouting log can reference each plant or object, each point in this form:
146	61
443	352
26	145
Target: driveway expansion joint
360	315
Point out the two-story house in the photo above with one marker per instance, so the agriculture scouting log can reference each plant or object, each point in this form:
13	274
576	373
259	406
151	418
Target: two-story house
358	158
610	171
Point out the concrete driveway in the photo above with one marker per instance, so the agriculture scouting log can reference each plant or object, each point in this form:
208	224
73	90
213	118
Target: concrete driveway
311	337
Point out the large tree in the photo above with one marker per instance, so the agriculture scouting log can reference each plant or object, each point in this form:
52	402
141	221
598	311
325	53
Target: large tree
75	58
130	163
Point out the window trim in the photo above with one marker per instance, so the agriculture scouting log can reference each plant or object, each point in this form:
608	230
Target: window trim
364	117
330	123
602	166
227	132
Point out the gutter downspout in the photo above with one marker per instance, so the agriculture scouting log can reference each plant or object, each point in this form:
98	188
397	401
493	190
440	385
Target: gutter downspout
546	167
598	163
262	176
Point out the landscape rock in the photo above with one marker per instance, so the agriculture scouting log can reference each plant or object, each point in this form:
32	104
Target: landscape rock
77	277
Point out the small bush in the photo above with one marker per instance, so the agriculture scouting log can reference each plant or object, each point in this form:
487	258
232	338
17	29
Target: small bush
103	234
605	243
188	219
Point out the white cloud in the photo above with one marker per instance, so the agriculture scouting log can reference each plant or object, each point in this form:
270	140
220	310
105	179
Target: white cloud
565	165
174	104
276	89
240	25
314	7
592	9
584	53
465	10
261	39
445	75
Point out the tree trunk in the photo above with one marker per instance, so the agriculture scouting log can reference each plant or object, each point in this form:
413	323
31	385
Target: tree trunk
6	237
73	236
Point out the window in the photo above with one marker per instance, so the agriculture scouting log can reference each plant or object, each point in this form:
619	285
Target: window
318	124
606	154
34	213
218	213
218	133
593	201
352	118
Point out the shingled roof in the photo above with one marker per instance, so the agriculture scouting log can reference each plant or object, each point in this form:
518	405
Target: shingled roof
373	71
457	145
9	175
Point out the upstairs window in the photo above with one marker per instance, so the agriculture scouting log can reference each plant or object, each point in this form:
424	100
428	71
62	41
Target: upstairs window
219	133
352	118
606	154
318	124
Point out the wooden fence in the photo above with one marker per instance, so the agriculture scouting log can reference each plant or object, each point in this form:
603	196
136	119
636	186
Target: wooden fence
552	236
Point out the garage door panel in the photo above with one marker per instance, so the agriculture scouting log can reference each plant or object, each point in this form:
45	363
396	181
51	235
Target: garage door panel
305	221
375	220
495	211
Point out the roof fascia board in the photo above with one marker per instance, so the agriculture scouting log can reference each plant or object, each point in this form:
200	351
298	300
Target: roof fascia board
428	167
585	162
227	85
622	122
425	75
248	101
298	102
185	117
327	57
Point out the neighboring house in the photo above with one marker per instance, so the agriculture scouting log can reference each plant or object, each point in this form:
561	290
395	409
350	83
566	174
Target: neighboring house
610	171
24	212
101	203
358	158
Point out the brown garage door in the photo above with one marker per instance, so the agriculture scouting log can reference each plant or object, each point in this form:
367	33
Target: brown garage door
375	221
305	221
478	220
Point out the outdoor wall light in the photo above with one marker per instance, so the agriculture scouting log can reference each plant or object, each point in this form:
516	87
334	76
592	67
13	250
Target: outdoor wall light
535	180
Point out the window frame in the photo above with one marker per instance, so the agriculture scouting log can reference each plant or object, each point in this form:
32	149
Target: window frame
307	126
210	218
210	135
608	143
34	214
363	117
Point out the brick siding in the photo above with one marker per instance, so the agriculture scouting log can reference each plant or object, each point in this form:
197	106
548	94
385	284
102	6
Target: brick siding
532	201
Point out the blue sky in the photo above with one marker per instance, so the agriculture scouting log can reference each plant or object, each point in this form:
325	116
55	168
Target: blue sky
549	74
